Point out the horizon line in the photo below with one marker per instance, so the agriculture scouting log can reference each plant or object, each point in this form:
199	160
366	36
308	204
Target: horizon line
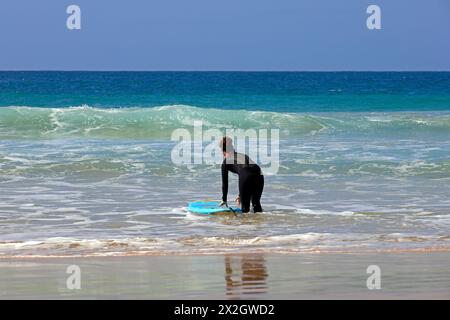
255	71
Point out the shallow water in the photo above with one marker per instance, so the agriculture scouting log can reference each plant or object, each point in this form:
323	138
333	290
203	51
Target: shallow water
96	197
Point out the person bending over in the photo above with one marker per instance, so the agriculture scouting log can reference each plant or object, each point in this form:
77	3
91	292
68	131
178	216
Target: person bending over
251	180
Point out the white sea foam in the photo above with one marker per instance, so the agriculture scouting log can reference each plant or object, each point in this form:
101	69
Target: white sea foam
306	242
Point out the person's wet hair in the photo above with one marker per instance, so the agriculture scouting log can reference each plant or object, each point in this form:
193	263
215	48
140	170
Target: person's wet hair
226	144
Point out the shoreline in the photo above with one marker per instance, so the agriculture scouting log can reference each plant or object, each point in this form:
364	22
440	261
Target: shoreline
424	250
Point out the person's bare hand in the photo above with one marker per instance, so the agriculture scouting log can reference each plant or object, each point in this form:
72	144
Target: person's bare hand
238	200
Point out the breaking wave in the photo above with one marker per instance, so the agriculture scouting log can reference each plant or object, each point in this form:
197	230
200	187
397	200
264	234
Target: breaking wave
159	122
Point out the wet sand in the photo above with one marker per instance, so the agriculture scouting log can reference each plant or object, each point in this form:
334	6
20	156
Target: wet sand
410	275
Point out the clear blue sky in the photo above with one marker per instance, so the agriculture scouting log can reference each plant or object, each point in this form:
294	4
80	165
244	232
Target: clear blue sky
225	35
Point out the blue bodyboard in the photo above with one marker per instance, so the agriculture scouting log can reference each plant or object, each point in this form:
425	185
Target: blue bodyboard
210	207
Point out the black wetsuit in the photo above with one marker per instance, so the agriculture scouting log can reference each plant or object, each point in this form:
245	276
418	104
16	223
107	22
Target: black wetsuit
251	181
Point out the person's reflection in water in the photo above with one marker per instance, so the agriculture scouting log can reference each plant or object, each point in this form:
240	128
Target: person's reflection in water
245	274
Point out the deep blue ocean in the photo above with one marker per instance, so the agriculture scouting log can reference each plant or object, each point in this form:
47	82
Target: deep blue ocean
268	91
86	166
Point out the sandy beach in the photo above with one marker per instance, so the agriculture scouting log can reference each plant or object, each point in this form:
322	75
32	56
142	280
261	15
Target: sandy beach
408	275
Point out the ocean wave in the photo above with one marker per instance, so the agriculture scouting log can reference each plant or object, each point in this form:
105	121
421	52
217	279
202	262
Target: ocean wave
21	122
294	243
104	167
156	122
430	168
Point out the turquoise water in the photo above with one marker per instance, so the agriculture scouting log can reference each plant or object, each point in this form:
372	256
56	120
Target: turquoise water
86	167
268	91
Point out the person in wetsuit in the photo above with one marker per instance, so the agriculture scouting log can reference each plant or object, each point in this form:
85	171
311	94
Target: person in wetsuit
251	180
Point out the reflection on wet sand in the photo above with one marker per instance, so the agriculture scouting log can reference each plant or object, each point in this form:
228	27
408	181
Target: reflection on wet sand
245	274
